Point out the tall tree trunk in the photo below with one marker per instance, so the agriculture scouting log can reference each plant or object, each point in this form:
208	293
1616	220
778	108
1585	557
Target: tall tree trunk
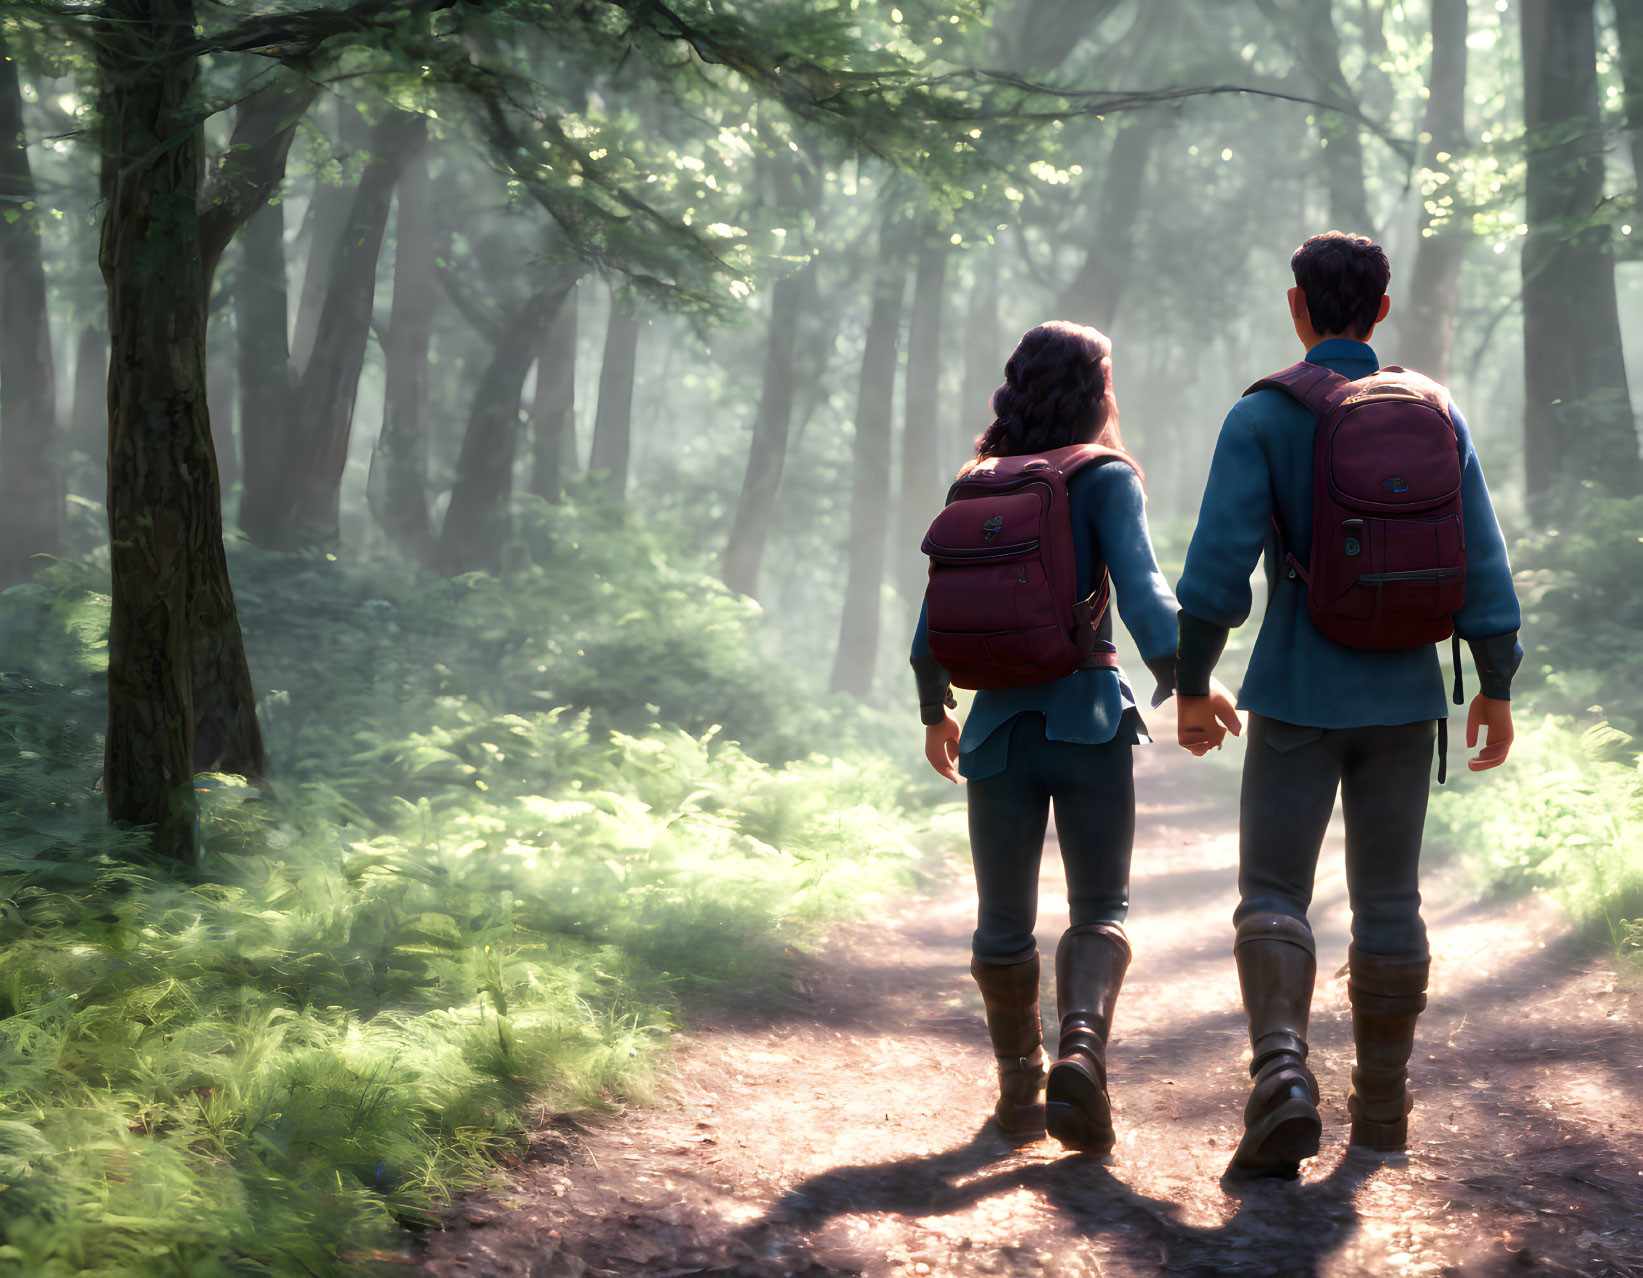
921	469
857	656
1309	29
31	500
88	417
613	418
397	488
1427	332
326	220
767	455
476	521
1578	416
267	380
983	356
1628	20
310	498
553	414
162	490
1093	295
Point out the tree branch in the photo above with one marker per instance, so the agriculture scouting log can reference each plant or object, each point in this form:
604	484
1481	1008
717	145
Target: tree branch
254	164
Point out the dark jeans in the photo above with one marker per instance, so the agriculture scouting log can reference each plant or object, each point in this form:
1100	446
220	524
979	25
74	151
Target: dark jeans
1093	789
1290	776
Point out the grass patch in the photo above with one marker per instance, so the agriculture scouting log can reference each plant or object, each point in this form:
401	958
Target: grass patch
510	822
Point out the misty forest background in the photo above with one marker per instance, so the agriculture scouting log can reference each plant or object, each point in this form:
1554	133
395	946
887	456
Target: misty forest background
461	474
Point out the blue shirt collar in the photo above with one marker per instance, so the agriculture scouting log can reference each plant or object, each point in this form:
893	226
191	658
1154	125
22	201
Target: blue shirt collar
1344	350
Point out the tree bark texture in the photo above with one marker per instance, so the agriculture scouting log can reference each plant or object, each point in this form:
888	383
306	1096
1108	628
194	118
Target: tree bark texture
309	501
163	503
767	454
1427	332
613	418
922	488
31	498
1578	417
397	489
857	656
1093	295
476	521
267	380
553	414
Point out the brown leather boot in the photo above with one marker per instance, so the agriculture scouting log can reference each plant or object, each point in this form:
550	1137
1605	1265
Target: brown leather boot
1388	994
1089	969
1277	968
1010	994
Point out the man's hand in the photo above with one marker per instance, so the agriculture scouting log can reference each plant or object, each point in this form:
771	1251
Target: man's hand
941	746
1202	723
1495	717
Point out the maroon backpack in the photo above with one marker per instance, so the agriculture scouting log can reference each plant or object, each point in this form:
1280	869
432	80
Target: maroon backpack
1001	605
1388	562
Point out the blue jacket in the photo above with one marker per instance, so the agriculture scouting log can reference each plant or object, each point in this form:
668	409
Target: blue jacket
1263	465
1108	512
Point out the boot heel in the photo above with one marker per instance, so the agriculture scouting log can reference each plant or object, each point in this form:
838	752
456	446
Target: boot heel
1277	1144
1076	1109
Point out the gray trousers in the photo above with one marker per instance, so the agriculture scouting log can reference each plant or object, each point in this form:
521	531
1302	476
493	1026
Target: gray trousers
1291	774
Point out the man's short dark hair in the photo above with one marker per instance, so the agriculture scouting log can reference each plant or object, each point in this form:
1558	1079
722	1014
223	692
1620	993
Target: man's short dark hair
1344	277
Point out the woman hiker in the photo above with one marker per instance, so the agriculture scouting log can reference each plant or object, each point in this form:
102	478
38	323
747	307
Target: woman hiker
1052	455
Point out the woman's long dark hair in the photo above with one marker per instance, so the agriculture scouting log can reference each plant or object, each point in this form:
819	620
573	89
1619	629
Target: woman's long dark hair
1057	391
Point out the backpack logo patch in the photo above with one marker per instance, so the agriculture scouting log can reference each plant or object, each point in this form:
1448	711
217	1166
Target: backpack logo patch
991	528
1395	485
1352	546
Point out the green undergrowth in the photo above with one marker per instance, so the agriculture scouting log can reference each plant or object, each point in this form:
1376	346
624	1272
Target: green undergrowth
511	822
1564	815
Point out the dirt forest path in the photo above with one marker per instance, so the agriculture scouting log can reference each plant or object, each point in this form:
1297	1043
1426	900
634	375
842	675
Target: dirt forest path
840	1130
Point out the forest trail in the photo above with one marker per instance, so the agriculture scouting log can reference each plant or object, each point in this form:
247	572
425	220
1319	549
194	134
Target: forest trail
840	1130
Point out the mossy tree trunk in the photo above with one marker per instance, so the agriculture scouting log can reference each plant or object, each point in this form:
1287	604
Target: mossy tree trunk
31	499
1578	420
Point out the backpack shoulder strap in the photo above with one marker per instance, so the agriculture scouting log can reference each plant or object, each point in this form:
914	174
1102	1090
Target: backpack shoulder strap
1073	458
1311	385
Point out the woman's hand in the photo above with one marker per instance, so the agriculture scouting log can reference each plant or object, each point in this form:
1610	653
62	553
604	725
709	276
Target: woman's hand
1495	718
1202	723
941	746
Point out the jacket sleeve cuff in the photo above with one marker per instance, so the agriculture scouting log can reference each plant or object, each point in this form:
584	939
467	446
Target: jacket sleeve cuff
1497	659
1197	650
931	713
1163	672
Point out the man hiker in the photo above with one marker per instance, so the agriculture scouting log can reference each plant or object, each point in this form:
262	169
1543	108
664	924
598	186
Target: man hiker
1362	488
